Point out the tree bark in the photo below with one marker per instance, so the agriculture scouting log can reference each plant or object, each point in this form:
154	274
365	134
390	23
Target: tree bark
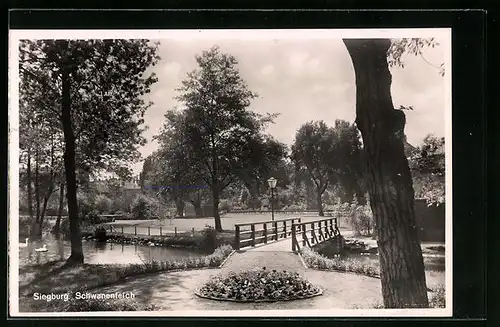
196	202
320	202
215	203
37	184
179	206
70	169
310	196
389	179
57	226
30	187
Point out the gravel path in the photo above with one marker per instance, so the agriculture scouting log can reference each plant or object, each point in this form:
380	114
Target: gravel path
175	290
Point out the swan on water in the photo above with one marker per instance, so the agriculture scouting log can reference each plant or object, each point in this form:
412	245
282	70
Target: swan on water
23	245
42	249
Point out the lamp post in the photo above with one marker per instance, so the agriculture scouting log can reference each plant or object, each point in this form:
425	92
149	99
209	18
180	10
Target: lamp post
272	184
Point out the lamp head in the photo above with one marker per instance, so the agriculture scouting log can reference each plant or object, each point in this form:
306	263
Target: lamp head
272	182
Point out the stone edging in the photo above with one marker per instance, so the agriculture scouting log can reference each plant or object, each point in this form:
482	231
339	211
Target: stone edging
224	261
302	260
320	292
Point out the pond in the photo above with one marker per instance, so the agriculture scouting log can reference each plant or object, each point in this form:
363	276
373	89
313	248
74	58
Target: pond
100	253
434	257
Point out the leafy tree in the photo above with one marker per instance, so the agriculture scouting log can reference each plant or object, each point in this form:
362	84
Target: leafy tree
265	157
314	149
169	166
218	124
41	148
95	89
388	174
427	164
350	172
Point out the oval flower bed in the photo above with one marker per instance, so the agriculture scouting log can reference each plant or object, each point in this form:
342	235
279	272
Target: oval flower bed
259	286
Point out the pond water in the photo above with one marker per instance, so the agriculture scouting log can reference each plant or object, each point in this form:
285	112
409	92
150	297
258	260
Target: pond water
436	263
100	253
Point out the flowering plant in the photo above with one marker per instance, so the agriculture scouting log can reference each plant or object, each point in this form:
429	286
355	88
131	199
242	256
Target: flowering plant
259	286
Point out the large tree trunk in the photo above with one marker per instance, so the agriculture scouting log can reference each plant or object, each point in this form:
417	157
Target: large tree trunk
37	184
70	168
310	196
320	202
389	179
215	201
45	203
179	207
196	202
30	187
57	226
36	230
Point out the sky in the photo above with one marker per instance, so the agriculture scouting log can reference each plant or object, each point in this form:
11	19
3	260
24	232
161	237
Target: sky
302	80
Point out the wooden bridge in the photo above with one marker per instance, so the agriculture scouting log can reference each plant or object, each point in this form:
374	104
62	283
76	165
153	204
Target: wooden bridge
285	234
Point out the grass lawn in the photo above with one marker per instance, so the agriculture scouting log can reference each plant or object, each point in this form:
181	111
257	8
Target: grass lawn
57	277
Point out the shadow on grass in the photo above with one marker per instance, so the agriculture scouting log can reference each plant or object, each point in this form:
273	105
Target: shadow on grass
33	274
59	274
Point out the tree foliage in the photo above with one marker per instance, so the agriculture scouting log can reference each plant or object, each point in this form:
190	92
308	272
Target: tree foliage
315	150
427	164
94	89
218	126
413	46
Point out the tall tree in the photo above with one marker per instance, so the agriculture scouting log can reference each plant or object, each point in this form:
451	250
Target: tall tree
97	88
265	157
388	175
170	166
41	147
315	150
351	168
218	122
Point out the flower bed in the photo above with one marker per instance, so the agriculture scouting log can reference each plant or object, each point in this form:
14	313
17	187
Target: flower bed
317	261
259	286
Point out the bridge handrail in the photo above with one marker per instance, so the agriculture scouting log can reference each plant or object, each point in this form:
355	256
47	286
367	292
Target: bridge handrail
275	233
267	221
326	228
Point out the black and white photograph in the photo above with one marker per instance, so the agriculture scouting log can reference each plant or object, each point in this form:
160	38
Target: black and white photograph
275	173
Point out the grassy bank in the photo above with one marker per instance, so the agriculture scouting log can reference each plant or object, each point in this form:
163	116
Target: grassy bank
55	277
371	268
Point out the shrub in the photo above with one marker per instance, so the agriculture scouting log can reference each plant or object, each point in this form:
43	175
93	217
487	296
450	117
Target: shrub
314	260
225	205
259	285
92	217
209	240
103	204
296	207
89	305
362	220
438	298
100	234
143	208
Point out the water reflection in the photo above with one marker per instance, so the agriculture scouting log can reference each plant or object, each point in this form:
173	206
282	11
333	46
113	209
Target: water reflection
100	253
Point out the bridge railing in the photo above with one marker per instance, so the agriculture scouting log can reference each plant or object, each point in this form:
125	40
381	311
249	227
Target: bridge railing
313	232
263	231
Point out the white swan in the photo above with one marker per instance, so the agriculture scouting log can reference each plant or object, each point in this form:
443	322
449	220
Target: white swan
42	249
23	245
